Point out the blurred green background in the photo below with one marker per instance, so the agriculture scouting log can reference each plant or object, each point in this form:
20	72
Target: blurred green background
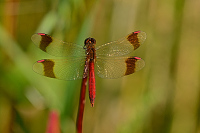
164	97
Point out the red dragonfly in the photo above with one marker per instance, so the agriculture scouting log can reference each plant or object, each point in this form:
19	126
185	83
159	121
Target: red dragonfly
107	60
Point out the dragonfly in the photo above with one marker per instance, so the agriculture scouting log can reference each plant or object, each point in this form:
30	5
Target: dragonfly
78	62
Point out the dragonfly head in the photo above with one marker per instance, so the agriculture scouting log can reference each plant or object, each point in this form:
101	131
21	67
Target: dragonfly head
90	41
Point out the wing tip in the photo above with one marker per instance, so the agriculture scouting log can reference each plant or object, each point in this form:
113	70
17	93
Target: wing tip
136	38
134	64
140	63
141	36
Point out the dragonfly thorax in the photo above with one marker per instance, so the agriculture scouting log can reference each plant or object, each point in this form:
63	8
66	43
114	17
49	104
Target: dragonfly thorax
90	48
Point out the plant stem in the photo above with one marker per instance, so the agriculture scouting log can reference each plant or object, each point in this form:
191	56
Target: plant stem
81	106
53	123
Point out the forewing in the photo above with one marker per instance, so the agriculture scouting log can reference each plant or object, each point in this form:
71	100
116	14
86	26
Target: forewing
56	47
64	69
122	46
118	67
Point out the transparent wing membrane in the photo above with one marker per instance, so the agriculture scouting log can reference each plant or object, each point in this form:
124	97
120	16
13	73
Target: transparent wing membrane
56	47
65	69
118	67
122	46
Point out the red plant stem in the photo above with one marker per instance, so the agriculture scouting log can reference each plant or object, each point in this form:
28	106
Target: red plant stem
81	106
53	123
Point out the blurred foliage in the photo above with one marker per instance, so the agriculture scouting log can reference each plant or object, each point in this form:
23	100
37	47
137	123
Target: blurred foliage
164	97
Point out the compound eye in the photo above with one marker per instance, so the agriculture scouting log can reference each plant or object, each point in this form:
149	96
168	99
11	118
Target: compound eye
90	40
93	40
87	40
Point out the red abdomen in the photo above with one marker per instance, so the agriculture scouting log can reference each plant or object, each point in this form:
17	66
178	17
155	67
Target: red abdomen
92	91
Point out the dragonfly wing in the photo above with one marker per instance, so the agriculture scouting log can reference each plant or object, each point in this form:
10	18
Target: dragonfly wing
64	69
56	47
122	46
118	67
